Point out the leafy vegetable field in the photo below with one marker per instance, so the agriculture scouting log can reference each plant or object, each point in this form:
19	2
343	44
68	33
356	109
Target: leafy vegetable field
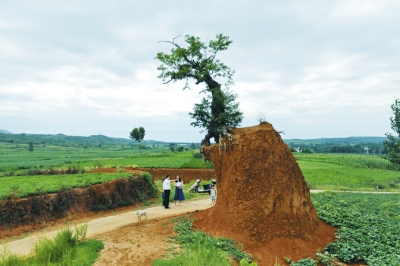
369	226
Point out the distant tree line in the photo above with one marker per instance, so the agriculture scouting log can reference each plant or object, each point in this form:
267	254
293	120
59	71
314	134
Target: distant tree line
95	141
366	148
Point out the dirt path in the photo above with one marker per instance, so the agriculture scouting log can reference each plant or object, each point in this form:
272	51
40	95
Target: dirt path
116	227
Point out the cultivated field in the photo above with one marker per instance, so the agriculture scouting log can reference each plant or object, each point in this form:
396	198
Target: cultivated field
50	168
368	223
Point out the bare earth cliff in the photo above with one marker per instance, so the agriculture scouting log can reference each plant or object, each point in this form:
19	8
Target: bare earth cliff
263	200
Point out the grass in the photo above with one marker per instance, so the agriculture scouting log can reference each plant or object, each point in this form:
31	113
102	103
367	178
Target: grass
329	176
28	185
352	160
202	249
67	248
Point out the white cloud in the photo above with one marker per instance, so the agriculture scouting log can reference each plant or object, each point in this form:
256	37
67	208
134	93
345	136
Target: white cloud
316	69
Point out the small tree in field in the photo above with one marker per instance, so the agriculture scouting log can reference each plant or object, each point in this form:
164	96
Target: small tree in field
393	143
172	147
180	149
137	134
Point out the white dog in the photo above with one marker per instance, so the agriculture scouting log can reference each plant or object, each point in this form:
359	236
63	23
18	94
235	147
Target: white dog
141	213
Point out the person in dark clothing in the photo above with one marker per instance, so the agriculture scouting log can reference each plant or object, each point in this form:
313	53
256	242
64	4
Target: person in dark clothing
167	191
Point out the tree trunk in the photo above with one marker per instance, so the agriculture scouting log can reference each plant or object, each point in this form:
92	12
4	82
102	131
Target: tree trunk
217	108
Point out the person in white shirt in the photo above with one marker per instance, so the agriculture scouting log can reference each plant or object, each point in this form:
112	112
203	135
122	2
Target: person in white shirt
167	191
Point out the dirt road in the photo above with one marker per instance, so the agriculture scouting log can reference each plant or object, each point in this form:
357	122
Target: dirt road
108	224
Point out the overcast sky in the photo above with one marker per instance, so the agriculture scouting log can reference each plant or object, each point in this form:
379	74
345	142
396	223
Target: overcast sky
314	68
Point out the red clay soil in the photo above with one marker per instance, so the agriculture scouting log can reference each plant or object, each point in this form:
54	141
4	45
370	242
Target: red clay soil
263	200
105	170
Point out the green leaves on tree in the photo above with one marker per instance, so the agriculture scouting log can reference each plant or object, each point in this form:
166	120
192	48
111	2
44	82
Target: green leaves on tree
393	143
196	60
138	134
202	115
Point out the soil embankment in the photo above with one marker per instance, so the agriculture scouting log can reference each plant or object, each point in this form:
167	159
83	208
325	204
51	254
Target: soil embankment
38	211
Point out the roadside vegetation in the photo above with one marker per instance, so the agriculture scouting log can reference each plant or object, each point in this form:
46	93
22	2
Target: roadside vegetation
69	247
202	249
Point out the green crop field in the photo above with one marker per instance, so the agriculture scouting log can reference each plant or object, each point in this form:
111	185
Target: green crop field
329	176
28	185
352	160
49	167
369	226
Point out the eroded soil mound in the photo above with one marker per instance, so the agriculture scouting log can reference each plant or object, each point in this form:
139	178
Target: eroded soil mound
263	199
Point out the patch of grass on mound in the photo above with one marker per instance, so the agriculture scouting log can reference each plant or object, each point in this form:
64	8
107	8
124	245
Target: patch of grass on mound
67	248
202	249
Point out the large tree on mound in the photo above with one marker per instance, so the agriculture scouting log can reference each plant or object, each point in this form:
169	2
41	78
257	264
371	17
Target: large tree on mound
197	60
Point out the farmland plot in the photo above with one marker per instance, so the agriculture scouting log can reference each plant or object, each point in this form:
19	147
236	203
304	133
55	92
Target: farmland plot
369	226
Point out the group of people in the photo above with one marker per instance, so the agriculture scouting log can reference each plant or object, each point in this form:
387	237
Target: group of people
178	184
179	196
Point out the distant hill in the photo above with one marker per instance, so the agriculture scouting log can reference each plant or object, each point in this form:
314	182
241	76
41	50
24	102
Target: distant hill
104	141
338	141
75	141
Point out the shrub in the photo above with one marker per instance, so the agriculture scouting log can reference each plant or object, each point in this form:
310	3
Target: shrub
304	262
67	248
197	155
61	248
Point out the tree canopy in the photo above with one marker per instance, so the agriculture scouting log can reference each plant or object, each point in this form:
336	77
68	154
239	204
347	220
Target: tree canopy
202	112
197	60
138	135
393	143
